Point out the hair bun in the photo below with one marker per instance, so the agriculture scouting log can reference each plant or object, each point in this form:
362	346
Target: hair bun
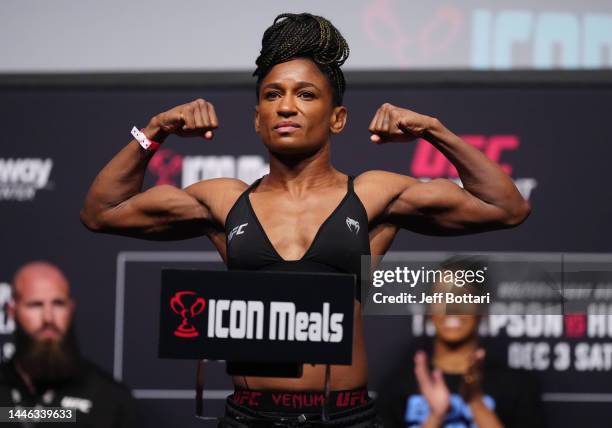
304	35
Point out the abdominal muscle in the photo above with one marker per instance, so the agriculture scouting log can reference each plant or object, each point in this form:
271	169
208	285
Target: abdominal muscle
313	376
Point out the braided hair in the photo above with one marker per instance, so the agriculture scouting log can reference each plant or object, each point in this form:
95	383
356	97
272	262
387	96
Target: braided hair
304	36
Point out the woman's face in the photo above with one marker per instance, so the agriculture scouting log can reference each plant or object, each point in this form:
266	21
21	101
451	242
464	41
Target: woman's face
295	112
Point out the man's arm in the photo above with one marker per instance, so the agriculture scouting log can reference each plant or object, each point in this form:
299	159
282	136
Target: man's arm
116	203
489	199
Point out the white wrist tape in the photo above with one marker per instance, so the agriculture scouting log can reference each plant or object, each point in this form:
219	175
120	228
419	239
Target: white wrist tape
146	144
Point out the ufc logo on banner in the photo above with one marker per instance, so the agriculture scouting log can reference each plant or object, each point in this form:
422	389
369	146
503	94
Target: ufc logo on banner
431	163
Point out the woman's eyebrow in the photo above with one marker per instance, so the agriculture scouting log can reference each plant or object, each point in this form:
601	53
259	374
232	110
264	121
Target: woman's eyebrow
299	85
303	84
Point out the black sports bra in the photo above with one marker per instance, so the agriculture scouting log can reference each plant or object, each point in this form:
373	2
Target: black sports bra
337	246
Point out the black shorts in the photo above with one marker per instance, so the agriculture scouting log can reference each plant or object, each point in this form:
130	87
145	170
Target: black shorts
254	409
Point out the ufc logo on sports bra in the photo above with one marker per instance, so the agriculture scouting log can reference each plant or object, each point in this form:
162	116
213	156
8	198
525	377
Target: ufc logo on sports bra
238	230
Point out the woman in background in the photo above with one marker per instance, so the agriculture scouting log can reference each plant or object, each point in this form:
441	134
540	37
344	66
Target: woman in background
447	381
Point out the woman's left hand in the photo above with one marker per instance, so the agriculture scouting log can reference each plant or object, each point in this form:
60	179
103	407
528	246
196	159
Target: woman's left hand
471	387
395	124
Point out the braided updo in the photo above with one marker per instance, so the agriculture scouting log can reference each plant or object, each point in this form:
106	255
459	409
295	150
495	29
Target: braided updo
304	36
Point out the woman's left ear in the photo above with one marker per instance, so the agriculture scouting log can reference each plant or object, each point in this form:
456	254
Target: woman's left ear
338	120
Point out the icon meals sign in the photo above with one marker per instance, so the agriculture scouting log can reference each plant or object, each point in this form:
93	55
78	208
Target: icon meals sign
257	316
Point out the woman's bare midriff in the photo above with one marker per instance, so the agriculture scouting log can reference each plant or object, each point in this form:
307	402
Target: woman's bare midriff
313	376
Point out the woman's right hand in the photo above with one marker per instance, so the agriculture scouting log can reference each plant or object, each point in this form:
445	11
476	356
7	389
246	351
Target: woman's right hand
433	388
195	119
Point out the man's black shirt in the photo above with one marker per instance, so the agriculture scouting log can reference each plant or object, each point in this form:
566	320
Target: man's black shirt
98	399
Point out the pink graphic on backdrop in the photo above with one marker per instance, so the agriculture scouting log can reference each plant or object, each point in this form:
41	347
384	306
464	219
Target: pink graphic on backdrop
575	325
499	144
434	34
166	164
431	163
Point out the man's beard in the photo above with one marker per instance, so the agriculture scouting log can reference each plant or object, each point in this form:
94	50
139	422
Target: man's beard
47	362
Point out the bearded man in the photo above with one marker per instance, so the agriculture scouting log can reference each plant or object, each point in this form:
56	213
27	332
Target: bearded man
47	369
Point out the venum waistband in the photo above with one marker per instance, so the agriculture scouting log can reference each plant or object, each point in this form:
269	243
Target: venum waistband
299	401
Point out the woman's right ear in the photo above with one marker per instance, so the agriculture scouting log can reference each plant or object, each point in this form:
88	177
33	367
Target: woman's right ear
256	119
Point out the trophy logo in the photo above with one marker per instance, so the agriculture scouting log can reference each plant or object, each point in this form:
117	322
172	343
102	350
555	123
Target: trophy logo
186	329
166	165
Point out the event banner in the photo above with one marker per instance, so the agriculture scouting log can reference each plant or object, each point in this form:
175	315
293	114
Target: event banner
553	141
382	35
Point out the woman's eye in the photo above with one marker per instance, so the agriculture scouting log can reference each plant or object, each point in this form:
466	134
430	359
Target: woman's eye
308	95
270	95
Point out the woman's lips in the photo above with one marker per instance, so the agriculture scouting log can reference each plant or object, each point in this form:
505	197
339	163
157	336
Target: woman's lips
286	129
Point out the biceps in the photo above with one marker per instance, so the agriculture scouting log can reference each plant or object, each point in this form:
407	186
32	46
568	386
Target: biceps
162	212
442	206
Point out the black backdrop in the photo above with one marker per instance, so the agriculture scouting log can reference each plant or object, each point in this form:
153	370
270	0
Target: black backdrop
559	148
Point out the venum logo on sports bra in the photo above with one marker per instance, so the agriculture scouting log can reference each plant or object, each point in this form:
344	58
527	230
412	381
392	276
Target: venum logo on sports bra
247	319
353	225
